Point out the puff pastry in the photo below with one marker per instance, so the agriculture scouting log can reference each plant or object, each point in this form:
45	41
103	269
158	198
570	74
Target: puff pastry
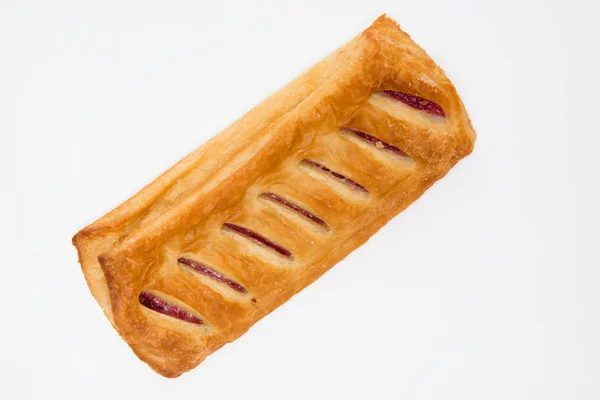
263	209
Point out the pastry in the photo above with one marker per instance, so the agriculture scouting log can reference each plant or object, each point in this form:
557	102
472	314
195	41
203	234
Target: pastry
263	209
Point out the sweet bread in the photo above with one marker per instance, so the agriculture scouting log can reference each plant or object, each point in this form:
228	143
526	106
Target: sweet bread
263	209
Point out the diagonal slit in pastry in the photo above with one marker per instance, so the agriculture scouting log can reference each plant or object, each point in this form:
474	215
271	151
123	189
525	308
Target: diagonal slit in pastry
160	305
380	84
257	238
375	143
203	270
327	175
295	209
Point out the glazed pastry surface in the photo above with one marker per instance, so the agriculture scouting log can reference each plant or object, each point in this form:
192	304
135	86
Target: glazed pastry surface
263	209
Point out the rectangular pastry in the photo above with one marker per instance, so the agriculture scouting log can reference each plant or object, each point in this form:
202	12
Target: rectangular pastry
259	212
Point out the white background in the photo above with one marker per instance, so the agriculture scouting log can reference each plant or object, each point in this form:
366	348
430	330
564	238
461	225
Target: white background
485	288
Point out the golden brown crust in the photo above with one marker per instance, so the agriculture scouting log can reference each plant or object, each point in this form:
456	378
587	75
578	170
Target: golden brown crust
135	247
